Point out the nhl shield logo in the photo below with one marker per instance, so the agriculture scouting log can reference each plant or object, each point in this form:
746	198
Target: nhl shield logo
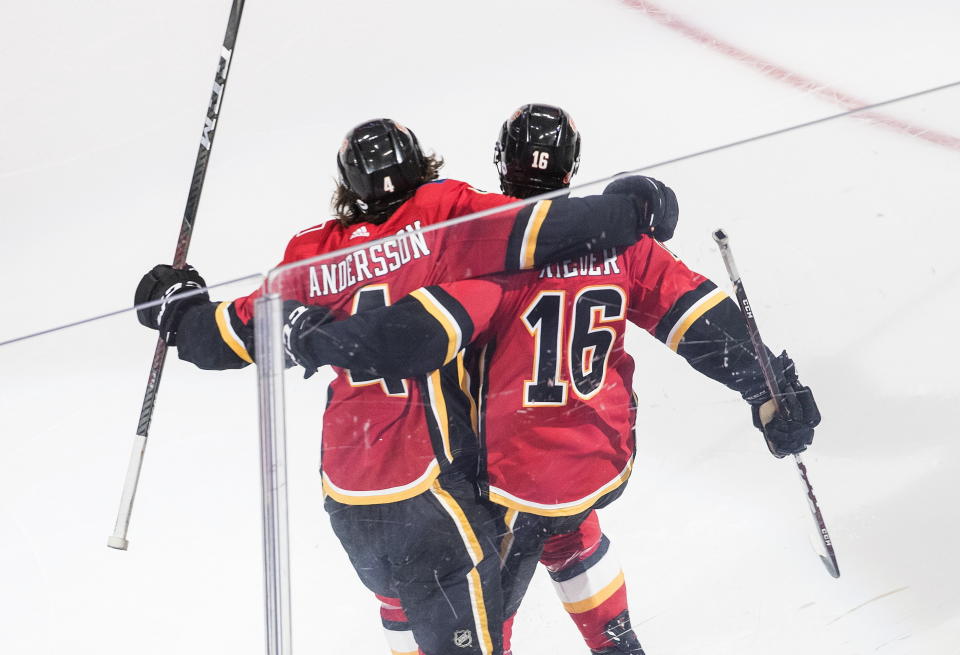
463	638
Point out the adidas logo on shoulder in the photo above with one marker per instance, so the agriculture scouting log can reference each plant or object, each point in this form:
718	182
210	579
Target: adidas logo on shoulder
361	231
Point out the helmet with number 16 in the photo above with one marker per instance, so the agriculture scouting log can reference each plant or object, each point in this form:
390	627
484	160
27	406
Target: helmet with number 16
538	151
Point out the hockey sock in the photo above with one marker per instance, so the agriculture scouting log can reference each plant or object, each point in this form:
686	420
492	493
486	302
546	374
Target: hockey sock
588	579
396	627
507	634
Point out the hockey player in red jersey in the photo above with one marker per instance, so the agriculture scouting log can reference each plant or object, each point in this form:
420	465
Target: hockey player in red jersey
397	458
538	151
582	564
555	406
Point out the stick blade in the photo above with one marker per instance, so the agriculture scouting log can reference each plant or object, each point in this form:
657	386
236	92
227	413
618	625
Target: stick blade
831	565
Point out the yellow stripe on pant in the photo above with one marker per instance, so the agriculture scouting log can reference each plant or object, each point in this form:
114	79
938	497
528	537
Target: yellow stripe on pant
475	551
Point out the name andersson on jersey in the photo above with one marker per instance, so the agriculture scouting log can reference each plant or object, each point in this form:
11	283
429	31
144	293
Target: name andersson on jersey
387	256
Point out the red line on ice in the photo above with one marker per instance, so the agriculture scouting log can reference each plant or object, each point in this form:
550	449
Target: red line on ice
781	74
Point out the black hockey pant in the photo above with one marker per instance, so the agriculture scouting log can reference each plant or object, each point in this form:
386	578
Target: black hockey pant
437	552
522	537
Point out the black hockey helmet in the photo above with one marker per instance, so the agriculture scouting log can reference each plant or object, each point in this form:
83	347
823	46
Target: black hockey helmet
381	162
538	151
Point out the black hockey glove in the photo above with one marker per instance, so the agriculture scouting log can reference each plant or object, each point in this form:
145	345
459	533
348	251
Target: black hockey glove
790	430
658	202
166	283
300	324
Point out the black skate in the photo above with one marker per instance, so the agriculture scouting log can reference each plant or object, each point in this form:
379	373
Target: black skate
622	638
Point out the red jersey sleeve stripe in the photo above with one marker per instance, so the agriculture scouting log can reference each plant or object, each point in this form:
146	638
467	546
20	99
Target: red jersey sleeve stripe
228	334
446	320
528	247
692	315
682	302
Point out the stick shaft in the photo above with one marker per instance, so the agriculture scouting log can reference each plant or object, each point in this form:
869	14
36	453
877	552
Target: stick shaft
119	538
763	359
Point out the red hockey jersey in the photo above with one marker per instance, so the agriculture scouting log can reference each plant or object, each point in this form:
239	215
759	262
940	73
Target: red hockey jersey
386	439
555	388
556	411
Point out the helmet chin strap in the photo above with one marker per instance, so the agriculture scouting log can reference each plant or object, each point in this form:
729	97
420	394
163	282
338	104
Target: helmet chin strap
524	191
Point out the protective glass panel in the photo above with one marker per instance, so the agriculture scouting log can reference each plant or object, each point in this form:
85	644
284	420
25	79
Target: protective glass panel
845	234
70	401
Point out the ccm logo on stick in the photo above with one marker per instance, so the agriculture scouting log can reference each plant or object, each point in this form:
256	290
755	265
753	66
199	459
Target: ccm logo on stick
215	98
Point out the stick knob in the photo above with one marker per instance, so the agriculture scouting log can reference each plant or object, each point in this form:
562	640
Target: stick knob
117	542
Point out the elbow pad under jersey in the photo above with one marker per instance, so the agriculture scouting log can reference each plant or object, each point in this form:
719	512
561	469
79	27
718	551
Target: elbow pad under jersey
213	337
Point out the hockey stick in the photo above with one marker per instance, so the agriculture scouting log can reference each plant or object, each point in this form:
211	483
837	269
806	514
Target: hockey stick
828	557
118	539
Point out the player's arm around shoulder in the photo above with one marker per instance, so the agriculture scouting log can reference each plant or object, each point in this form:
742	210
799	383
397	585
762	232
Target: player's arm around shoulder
420	333
629	208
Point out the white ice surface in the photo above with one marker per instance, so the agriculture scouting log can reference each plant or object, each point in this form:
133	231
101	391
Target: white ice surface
845	234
